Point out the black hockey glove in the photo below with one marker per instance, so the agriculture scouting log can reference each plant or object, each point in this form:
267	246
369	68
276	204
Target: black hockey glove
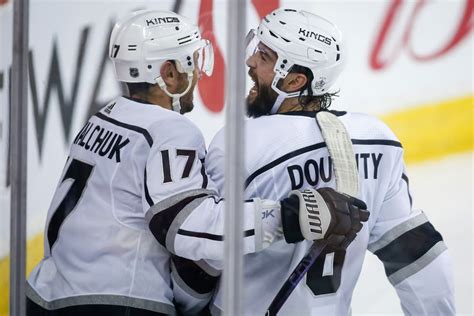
322	214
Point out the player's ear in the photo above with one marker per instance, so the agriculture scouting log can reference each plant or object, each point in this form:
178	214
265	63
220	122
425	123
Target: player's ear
294	82
169	74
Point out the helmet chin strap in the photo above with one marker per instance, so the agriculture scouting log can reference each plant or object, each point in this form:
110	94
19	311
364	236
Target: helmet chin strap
176	104
279	100
282	95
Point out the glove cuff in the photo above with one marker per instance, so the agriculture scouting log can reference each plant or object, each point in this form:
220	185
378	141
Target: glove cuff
290	220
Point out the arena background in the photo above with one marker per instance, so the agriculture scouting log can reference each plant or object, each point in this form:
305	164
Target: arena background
409	62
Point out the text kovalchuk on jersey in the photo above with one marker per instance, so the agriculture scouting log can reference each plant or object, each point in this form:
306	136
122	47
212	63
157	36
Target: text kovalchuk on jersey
101	141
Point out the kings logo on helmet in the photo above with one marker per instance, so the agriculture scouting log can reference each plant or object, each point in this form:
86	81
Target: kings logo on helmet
166	19
319	37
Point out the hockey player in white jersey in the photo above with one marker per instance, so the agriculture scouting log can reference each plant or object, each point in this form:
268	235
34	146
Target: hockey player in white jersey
295	57
134	183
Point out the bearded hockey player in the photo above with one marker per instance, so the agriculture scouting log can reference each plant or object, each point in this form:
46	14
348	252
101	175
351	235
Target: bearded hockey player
295	57
134	183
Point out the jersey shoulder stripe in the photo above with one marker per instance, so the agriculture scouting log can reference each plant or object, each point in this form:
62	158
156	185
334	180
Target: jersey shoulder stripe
137	129
148	198
405	178
282	159
385	142
157	124
205	180
303	150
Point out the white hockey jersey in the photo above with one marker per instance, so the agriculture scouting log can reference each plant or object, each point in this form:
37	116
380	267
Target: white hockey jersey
285	152
134	173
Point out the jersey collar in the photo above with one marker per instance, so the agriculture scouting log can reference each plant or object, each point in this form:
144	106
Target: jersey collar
138	100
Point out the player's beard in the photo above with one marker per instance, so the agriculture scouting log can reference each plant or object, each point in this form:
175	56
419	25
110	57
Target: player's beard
186	101
186	105
262	103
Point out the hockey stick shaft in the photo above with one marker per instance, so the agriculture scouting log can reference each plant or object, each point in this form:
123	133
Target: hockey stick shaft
295	277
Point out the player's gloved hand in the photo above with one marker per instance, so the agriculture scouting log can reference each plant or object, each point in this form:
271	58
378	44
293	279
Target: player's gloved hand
322	214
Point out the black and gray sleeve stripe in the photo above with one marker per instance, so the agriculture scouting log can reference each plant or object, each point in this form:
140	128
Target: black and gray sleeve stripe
191	277
165	217
408	247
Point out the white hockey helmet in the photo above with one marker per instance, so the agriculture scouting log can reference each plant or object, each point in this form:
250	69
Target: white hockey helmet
301	38
143	40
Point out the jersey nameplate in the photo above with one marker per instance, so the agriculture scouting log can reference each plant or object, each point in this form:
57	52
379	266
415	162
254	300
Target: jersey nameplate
101	141
313	172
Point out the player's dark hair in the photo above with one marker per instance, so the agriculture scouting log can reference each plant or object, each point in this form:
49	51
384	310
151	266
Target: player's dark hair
138	88
324	100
